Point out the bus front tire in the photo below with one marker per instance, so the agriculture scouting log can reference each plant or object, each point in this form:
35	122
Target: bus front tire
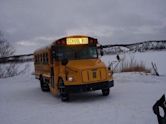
63	94
44	86
105	92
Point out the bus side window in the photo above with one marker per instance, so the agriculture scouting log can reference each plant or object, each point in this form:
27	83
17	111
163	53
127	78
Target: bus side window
38	59
43	58
35	59
47	58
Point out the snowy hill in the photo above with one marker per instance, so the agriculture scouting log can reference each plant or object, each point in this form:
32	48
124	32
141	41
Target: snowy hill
130	101
135	47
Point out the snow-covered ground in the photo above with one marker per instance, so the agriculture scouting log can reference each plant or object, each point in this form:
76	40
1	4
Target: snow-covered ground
130	101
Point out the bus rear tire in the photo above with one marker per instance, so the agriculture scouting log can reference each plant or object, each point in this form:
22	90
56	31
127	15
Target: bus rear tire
63	94
43	85
105	92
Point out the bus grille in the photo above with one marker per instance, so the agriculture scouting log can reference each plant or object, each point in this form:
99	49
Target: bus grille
94	75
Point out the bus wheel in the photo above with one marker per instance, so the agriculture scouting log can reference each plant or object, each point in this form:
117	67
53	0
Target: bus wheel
105	92
64	95
44	86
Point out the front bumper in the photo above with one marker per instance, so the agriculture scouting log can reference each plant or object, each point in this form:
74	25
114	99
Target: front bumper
89	87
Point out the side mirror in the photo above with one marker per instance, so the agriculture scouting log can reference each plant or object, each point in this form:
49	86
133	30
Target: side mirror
118	57
65	61
101	50
101	53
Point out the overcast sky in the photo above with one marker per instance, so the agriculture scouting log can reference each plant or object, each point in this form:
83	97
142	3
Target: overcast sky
30	24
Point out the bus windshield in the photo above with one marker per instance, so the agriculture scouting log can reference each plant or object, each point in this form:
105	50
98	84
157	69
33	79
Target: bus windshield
76	52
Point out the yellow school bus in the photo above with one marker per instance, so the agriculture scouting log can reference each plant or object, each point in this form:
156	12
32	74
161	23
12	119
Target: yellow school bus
71	65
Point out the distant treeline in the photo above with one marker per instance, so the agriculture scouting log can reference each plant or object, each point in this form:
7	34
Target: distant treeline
17	58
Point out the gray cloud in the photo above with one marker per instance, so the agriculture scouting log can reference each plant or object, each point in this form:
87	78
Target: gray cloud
111	21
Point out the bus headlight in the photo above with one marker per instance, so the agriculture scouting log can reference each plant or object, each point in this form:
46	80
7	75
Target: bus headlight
110	73
70	79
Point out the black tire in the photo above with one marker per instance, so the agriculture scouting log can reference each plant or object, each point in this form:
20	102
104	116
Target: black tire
105	92
43	85
64	95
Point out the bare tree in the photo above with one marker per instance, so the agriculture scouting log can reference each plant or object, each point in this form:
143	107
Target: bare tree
6	49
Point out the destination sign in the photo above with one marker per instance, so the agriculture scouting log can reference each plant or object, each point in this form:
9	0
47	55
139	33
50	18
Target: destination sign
77	41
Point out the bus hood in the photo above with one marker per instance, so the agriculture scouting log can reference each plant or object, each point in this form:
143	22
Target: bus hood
85	64
92	70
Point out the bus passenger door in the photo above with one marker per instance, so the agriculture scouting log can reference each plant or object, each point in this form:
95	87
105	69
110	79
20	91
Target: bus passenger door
53	83
52	77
